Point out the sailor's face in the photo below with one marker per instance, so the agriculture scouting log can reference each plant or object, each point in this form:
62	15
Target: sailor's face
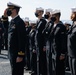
47	13
33	25
53	15
73	16
9	11
38	13
26	23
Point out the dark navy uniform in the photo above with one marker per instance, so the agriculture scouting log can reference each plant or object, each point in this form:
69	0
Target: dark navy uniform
67	25
27	57
16	39
5	40
40	44
58	36
28	28
72	43
47	32
16	34
1	35
72	49
33	51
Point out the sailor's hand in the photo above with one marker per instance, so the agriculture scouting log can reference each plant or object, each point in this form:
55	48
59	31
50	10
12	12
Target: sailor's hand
44	48
5	13
34	51
62	57
19	59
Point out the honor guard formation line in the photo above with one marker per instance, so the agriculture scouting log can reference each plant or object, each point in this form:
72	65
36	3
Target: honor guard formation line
44	47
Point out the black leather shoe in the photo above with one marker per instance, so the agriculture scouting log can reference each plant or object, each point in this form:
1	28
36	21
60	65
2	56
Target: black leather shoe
67	69
27	68
33	74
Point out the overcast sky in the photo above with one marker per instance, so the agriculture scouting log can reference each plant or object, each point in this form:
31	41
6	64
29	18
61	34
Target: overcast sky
29	6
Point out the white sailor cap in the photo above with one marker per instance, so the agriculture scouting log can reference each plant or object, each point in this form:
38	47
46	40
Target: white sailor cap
73	9
48	10
66	22
10	4
40	8
33	22
56	11
26	19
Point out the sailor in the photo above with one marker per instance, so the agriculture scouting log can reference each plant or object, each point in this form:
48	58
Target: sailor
47	30
27	28
40	42
1	33
33	53
5	36
58	46
16	33
67	24
72	43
